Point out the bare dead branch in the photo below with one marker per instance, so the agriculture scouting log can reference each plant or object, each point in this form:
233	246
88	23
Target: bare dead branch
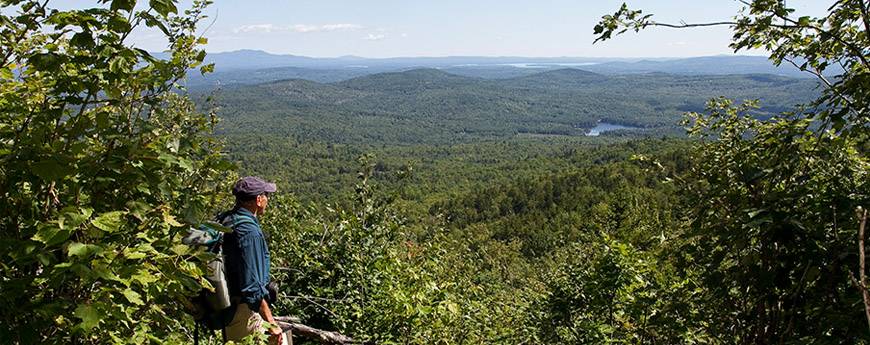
685	25
324	337
862	215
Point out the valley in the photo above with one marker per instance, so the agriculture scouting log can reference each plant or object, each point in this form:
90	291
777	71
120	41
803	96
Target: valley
320	129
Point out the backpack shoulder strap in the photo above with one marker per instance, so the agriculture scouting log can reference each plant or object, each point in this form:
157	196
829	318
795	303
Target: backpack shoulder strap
236	220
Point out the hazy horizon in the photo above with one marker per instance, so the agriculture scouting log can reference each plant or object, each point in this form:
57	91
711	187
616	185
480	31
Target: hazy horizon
741	54
505	28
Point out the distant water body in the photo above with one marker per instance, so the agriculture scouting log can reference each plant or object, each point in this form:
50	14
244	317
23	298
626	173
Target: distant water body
604	127
533	64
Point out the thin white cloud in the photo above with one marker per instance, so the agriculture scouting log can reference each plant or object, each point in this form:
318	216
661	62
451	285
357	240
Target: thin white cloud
302	28
374	37
260	28
298	28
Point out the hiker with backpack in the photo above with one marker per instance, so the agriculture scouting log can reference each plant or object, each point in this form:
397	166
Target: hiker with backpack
246	260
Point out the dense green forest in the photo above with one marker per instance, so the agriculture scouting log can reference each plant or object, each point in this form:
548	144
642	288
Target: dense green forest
454	130
424	207
429	106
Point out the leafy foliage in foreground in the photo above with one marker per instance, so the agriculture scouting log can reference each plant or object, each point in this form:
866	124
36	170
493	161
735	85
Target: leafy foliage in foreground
358	271
101	164
774	227
775	201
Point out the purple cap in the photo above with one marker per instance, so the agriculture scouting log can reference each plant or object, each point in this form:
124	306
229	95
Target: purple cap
251	186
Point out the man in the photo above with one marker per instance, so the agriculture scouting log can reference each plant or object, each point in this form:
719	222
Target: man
247	261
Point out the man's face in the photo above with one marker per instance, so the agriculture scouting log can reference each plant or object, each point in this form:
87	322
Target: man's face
262	201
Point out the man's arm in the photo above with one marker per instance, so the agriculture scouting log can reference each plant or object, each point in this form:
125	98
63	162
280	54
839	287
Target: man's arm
253	284
266	314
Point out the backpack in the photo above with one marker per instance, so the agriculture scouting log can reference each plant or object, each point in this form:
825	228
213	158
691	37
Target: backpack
213	310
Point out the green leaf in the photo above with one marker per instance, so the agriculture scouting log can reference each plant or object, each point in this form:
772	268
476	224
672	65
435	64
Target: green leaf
208	68
180	249
804	21
453	308
134	254
755	213
82	40
163	7
169	219
119	24
104	272
6	73
119	65
89	315
144	277
83	250
72	217
110	221
50	235
152	21
45	233
51	169
46	61
133	297
126	5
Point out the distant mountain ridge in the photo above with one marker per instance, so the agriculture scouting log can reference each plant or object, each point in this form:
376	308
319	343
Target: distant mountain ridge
703	65
254	66
721	64
419	78
257	59
562	77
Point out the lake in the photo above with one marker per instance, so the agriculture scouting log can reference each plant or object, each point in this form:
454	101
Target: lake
604	127
532	64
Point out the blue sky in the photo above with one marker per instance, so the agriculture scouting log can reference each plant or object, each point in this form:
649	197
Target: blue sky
392	28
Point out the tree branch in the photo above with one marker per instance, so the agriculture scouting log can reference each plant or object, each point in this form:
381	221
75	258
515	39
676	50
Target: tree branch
828	84
293	325
865	15
685	25
856	50
862	214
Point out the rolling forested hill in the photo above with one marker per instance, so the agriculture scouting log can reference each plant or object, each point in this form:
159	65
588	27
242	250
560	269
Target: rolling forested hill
309	134
434	107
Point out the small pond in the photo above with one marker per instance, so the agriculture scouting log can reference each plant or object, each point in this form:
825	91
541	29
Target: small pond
604	127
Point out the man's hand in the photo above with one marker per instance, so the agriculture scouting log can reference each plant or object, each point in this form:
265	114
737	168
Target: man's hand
276	336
